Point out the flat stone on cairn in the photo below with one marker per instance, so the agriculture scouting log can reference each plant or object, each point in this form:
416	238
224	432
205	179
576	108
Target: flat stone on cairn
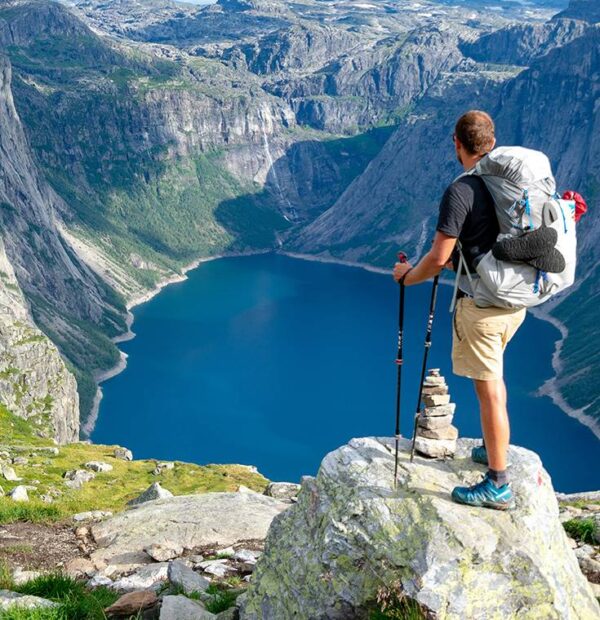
436	437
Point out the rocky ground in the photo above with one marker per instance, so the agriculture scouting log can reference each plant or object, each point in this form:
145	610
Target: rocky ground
170	558
193	556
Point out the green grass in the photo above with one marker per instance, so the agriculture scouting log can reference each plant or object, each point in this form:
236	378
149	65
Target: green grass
220	599
107	491
581	529
75	601
404	610
6	579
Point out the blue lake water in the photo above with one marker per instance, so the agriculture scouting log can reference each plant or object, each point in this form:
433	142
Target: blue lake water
273	361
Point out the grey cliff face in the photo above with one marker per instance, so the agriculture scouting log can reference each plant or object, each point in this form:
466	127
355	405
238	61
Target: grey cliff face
519	45
34	381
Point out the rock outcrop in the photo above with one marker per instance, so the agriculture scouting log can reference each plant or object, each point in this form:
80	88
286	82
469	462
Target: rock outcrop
352	540
186	521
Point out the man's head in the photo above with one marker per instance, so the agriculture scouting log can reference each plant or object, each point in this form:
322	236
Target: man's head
474	137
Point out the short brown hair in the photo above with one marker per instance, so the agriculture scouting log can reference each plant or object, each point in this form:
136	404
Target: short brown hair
476	132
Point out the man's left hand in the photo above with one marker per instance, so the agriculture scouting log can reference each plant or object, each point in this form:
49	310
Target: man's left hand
400	269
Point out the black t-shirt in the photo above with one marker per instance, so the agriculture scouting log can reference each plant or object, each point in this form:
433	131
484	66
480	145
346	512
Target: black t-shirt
467	213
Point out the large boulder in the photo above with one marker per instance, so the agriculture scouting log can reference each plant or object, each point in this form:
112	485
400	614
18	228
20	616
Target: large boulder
352	539
188	521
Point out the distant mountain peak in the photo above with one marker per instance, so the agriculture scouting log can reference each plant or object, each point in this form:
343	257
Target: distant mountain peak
586	10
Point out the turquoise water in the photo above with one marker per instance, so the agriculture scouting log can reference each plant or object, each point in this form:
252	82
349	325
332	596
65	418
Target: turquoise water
272	361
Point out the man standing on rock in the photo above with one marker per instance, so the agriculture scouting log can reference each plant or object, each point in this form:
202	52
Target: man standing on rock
480	335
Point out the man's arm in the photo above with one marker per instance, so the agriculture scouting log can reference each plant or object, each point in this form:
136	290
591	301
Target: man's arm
431	264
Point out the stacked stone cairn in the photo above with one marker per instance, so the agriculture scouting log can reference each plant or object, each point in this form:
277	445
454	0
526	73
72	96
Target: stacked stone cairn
436	436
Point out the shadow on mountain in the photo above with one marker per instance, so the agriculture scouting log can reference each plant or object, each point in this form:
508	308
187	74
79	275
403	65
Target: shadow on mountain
301	184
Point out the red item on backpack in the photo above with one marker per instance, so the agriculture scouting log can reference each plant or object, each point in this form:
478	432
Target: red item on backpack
580	204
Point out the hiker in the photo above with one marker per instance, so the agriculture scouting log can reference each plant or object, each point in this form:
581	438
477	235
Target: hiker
480	335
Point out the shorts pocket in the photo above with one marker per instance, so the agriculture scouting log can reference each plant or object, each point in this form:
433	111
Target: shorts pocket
455	321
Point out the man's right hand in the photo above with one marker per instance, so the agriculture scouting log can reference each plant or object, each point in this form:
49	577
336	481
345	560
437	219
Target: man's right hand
400	270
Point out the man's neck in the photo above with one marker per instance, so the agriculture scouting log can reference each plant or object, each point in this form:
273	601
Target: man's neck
470	161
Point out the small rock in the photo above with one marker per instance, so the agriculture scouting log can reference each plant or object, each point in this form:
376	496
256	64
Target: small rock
51	450
441	410
20	460
19	494
132	603
160	467
436	400
196	558
435	448
180	575
227	552
98	466
13	600
149	577
92	515
80	567
585	551
218	568
98	581
283	490
165	551
567	513
82	532
154	491
182	608
9	474
590	568
447	432
434	381
123	454
76	478
435	422
21	576
244	489
430	390
572	543
233	613
247	555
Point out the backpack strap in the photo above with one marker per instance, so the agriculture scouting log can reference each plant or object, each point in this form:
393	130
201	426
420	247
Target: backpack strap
462	263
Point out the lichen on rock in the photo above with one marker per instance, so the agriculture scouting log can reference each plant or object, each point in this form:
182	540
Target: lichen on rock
352	535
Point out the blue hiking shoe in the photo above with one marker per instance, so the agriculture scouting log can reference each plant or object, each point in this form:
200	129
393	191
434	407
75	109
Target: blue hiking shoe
479	455
485	494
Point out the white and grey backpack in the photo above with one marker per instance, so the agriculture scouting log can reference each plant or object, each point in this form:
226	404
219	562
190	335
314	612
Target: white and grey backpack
521	183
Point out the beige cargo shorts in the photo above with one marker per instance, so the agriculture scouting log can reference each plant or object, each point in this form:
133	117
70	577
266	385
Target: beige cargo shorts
480	336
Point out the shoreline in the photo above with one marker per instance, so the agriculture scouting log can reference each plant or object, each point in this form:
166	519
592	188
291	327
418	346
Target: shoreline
87	428
548	389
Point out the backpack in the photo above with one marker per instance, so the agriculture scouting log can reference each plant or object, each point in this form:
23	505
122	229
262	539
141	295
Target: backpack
523	188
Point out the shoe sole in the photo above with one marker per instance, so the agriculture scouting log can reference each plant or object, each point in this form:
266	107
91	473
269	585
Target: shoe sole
493	505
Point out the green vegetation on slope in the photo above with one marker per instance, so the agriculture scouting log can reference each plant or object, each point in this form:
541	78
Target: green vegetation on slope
75	601
580	353
107	491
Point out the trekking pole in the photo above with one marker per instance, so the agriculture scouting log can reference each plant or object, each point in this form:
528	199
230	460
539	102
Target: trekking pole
399	361
424	368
